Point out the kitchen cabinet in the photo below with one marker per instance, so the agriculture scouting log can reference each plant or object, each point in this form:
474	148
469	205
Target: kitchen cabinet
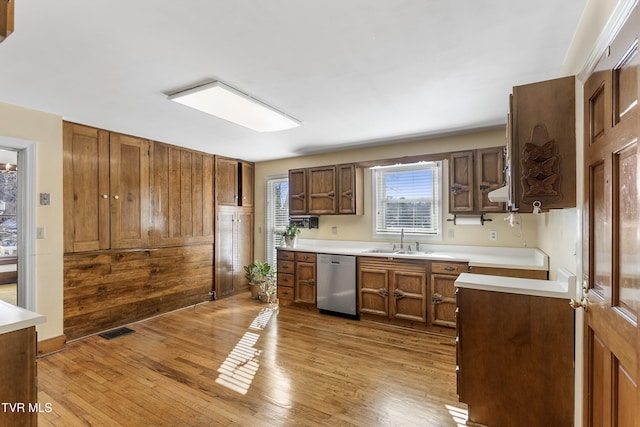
515	358
392	289
18	376
541	145
106	190
233	249
326	190
297	278
305	283
234	182
182	196
443	292
297	192
472	175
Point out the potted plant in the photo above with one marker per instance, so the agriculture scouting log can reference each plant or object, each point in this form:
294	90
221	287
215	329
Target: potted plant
257	274
290	235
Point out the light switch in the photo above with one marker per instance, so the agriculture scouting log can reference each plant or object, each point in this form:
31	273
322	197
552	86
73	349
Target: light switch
45	199
40	233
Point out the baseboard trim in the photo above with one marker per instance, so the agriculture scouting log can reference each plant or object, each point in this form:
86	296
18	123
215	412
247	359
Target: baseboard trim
51	345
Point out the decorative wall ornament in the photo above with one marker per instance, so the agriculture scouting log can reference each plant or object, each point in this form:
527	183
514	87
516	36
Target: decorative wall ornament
540	164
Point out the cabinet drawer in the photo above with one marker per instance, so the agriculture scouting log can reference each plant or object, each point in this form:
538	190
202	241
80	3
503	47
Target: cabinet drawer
449	268
285	293
305	257
285	279
287	255
285	267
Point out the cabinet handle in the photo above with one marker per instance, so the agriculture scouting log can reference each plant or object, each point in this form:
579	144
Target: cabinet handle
449	268
484	187
398	293
312	283
332	194
116	197
436	299
349	194
105	196
383	292
455	189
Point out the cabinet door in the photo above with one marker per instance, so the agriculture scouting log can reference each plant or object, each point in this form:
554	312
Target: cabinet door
226	182
86	188
322	190
182	196
443	300
129	183
461	182
373	291
346	189
408	295
305	287
297	192
489	176
243	250
246	184
224	255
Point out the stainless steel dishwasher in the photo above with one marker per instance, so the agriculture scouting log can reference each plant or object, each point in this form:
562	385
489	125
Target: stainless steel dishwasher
336	288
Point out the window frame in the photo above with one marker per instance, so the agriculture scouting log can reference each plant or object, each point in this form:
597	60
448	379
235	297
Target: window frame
270	251
438	210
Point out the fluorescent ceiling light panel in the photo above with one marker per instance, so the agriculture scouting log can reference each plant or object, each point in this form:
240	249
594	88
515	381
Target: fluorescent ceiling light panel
222	101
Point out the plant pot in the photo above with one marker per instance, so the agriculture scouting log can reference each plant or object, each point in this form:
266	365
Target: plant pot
255	290
290	241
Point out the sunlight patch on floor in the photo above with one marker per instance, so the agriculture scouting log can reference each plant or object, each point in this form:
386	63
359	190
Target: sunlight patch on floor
459	415
240	367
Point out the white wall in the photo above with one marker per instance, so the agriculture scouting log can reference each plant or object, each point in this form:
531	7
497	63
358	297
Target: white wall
46	130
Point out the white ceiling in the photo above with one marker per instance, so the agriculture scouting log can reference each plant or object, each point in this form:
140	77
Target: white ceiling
354	72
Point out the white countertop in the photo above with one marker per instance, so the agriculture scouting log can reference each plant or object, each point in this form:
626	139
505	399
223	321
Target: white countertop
563	287
13	318
476	256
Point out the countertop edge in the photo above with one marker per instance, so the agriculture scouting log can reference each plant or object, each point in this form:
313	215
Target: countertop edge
13	318
563	287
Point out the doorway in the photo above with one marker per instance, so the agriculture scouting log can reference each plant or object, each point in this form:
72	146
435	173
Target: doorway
9	226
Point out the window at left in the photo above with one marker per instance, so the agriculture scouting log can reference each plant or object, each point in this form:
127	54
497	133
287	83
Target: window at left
8	227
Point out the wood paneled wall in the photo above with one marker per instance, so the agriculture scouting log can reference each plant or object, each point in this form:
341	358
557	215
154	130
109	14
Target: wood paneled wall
107	289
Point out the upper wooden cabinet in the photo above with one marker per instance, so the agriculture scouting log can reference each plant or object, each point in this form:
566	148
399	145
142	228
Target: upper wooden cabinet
6	19
325	190
472	175
234	182
106	190
541	144
182	195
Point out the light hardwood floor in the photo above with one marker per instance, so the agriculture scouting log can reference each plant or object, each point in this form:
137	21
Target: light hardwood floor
237	362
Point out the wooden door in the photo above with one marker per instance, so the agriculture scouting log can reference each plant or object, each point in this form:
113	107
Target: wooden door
489	177
461	182
226	182
346	181
297	192
246	189
305	283
322	190
408	295
611	234
224	252
129	184
443	300
86	188
182	196
373	290
243	248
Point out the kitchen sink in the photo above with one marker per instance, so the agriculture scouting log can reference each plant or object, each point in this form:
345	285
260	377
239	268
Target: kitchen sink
394	252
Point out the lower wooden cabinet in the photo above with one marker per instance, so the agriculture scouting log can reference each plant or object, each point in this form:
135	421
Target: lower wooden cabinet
296	278
515	358
443	292
393	289
18	372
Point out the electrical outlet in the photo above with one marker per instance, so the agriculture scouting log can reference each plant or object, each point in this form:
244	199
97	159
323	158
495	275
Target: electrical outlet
493	235
40	233
334	230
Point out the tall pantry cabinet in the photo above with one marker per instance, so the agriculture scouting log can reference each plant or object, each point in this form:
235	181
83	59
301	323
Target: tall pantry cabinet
234	224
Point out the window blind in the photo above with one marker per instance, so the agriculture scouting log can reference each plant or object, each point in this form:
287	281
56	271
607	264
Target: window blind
277	213
407	197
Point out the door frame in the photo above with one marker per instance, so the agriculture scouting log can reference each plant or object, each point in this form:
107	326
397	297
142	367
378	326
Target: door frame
26	218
